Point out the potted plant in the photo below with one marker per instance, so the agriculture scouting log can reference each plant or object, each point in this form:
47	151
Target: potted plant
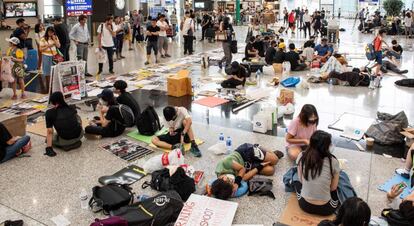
393	7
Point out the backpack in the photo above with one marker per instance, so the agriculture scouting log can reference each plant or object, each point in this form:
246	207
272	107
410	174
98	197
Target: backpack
261	186
159	210
127	115
233	46
179	181
110	197
148	123
111	221
370	51
394	217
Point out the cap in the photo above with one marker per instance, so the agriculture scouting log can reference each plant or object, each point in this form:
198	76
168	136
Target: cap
282	45
13	40
106	94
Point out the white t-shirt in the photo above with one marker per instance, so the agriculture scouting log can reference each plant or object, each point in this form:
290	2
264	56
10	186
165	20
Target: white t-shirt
107	39
182	114
308	53
162	24
408	21
307	18
188	23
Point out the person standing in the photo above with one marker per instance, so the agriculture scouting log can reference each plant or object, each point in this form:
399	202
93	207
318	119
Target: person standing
188	32
285	16
174	21
127	30
339	13
361	17
407	23
205	24
17	57
62	33
20	33
227	28
152	40
307	20
291	20
163	39
378	42
119	37
39	33
317	23
49	45
106	42
80	35
136	26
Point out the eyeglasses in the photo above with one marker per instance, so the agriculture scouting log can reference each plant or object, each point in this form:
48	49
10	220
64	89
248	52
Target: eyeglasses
313	121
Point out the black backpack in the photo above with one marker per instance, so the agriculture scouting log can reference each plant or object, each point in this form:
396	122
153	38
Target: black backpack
159	210
127	115
110	197
148	123
395	218
179	181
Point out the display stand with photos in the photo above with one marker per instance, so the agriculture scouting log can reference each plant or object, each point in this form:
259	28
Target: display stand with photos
69	78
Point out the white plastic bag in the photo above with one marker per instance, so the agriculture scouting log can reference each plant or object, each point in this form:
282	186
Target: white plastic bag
218	149
6	70
101	56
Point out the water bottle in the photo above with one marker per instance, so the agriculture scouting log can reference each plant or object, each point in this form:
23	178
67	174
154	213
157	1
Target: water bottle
221	138
84	199
228	145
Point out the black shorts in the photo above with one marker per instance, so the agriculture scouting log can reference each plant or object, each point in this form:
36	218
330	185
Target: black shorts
175	139
291	25
153	46
322	210
251	158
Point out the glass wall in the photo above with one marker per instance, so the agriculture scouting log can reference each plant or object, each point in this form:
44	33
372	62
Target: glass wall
53	8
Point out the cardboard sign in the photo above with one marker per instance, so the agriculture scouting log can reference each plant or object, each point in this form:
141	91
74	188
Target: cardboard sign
293	215
203	210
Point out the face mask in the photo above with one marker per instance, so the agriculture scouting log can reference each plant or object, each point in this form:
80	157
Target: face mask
230	177
102	102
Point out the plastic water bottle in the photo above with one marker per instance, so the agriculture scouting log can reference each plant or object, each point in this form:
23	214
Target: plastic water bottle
84	199
221	138
228	145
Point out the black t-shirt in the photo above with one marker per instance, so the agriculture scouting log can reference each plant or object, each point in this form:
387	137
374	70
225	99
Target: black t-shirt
153	38
270	55
116	120
65	121
241	73
62	33
249	47
398	49
17	33
279	57
259	45
293	58
128	100
4	137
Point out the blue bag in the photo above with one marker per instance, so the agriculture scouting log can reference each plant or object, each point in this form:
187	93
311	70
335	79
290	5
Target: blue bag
290	82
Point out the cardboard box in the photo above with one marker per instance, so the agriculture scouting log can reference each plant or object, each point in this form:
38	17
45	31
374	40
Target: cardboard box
286	96
179	85
409	135
15	124
278	68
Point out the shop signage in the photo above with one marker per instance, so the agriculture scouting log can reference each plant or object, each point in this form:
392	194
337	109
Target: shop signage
78	7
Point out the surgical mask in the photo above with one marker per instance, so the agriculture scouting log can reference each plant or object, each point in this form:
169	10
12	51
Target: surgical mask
231	177
102	102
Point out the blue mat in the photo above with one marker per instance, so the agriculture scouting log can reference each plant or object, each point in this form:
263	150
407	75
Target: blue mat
396	179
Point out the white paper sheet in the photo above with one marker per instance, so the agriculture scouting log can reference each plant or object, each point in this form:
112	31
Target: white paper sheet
60	220
94	92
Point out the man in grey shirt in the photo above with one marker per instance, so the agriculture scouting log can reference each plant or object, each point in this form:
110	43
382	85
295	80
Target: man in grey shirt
80	35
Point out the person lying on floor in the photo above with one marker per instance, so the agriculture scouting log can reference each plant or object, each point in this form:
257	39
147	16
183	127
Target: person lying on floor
318	171
336	63
349	78
12	146
180	130
237	75
126	98
110	122
324	50
300	131
67	123
294	59
353	212
388	65
242	165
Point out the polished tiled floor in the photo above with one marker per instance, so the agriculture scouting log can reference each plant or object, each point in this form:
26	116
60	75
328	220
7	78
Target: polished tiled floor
38	188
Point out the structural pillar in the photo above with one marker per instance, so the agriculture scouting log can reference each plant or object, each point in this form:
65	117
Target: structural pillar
133	5
40	8
237	12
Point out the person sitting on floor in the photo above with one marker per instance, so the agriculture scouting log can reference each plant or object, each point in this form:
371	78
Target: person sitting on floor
318	171
308	52
405	206
300	130
242	164
110	122
259	45
271	52
126	98
405	172
67	124
324	50
180	130
280	54
237	75
250	52
12	146
353	212
294	59
395	52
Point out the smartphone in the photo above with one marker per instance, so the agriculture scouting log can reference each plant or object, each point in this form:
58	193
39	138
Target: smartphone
402	185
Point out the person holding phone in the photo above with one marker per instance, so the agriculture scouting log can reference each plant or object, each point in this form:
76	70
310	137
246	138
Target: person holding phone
106	36
49	45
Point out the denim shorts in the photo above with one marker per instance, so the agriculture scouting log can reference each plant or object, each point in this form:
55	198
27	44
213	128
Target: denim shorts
378	57
47	63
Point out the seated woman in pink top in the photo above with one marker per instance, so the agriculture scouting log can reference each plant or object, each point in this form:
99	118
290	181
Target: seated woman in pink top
300	130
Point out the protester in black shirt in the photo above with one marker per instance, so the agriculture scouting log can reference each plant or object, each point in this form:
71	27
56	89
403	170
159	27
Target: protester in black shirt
279	56
250	52
205	24
270	53
259	45
237	76
62	32
65	120
20	33
152	40
395	51
126	98
110	123
11	146
294	59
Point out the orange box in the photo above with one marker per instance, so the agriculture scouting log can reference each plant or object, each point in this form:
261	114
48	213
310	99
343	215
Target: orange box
179	85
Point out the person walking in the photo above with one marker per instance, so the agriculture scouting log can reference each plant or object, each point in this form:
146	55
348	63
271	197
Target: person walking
307	21
152	40
228	30
79	34
163	39
62	32
106	42
188	32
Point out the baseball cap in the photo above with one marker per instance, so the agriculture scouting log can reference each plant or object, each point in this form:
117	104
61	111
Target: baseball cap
13	40
106	94
282	45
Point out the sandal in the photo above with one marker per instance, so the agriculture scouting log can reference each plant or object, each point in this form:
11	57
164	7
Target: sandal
14	97
23	96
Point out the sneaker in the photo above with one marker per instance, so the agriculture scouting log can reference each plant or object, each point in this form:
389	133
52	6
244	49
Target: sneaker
146	63
279	154
122	57
111	72
167	55
372	83
88	75
403	172
156	61
195	151
99	72
162	56
377	82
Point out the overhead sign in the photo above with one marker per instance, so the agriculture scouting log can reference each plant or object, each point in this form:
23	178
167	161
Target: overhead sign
78	7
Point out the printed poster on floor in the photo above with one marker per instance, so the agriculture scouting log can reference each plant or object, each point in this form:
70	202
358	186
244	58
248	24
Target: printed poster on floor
203	210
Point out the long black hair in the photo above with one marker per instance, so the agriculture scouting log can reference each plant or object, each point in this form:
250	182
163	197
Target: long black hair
50	28
57	99
308	110
313	158
353	212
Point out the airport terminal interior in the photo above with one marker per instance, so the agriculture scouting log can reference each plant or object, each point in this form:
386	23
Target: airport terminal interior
204	112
